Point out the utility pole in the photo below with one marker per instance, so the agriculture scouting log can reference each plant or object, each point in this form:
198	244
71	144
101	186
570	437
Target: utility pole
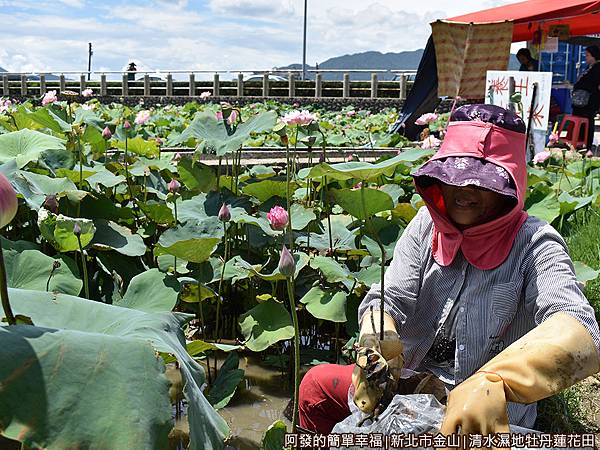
90	53
304	44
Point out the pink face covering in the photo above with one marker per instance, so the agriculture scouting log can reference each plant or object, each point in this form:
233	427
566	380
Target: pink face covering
485	246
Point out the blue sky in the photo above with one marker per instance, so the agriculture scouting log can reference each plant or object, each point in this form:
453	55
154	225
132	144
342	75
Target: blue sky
49	35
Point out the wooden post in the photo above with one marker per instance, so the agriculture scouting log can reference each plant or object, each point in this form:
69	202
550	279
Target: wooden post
373	85
240	85
265	84
42	84
292	84
402	87
5	85
125	86
192	90
103	88
81	83
23	84
318	85
216	85
346	85
146	85
169	85
62	82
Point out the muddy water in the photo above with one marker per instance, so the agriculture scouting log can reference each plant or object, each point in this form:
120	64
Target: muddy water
259	401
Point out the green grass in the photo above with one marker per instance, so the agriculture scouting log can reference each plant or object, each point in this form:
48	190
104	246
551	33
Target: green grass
583	240
572	410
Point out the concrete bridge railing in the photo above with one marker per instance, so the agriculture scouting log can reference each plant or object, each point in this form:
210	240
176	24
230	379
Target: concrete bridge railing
163	83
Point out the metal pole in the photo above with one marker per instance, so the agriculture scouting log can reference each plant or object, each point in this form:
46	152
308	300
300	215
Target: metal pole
304	43
90	53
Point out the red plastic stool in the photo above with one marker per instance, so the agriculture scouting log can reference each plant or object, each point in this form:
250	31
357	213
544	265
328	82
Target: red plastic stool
570	130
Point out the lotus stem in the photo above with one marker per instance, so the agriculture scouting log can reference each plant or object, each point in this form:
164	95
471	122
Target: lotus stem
127	170
86	286
55	266
175	257
10	317
288	195
290	289
382	249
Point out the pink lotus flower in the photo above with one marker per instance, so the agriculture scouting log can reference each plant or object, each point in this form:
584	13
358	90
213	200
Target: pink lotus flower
278	218
219	115
224	213
431	142
5	105
299	118
205	94
232	117
142	117
589	154
50	97
541	157
87	92
174	186
106	134
426	119
8	202
287	264
351	113
553	139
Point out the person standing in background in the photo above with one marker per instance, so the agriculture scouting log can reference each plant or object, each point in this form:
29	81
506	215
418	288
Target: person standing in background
131	69
528	64
586	93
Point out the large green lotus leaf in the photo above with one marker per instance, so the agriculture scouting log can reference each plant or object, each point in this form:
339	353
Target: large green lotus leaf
196	176
158	212
548	209
265	189
192	210
584	272
47	119
227	382
333	271
143	165
84	364
140	146
569	203
274	438
192	242
58	230
363	203
28	268
26	145
363	170
112	236
393	190
341	237
326	304
241	217
237	269
93	136
265	324
214	136
194	292
151	291
105	178
369	275
301	216
88	117
34	187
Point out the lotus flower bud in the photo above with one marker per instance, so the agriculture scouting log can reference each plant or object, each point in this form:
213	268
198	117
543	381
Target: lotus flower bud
51	204
589	154
224	213
106	134
177	157
8	202
278	218
174	186
77	229
352	157
126	125
287	265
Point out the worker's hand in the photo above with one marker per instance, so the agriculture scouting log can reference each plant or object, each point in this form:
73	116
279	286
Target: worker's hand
477	406
376	357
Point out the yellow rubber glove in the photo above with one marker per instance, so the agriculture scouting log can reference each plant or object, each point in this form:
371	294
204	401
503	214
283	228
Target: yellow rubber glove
553	356
389	353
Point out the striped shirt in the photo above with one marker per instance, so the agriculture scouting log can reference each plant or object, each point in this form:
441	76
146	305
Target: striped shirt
496	307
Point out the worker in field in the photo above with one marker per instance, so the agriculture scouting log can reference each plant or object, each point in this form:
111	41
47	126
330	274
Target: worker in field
478	293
